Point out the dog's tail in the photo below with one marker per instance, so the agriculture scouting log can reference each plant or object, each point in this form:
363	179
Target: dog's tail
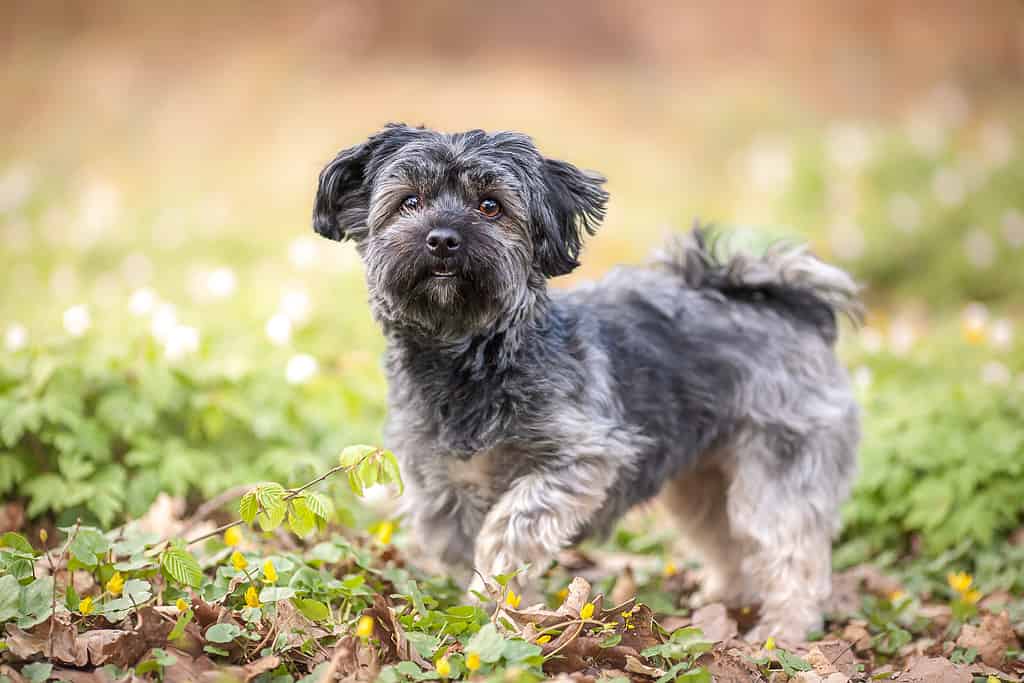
786	276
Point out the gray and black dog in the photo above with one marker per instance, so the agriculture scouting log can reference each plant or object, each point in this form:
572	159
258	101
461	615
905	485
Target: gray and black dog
526	420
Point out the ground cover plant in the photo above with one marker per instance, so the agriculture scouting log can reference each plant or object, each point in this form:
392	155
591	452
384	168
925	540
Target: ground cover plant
186	371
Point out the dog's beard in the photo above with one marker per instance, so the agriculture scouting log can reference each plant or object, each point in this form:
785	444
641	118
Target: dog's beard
409	293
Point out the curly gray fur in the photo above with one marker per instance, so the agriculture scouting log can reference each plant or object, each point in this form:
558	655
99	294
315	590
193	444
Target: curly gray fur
527	420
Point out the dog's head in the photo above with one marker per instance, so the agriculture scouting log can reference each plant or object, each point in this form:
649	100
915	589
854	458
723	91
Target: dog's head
455	229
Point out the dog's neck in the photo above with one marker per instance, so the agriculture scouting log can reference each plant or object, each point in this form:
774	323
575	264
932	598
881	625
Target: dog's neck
464	393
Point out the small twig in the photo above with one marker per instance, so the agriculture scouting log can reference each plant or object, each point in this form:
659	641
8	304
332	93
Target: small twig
53	575
563	645
214	504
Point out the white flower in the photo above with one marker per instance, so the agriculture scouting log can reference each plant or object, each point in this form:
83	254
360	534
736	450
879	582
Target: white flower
949	187
980	248
1013	228
849	146
994	372
901	336
77	320
769	165
847	239
181	341
302	252
862	377
975	314
925	133
142	301
301	368
15	337
165	319
136	268
871	340
904	212
15	187
1001	333
295	304
221	282
279	329
996	143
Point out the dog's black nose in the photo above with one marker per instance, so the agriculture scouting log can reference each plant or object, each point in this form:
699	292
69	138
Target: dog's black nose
442	242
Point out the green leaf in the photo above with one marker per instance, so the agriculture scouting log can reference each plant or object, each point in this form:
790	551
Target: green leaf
353	454
320	506
10	596
611	641
270	497
355	483
313	610
179	626
13	471
36	602
518	651
275	593
392	473
248	507
301	519
37	672
792	663
16	541
424	643
179	565
487	643
87	544
222	633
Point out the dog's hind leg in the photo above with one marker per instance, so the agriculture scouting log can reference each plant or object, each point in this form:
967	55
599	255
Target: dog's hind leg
697	500
784	502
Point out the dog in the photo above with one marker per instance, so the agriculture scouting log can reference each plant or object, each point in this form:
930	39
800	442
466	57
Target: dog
526	420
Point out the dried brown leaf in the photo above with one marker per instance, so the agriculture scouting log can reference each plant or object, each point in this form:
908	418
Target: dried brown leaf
932	669
715	623
992	638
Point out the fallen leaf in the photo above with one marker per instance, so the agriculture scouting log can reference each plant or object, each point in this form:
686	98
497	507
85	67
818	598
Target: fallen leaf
635	666
715	623
393	640
858	634
730	665
992	638
932	669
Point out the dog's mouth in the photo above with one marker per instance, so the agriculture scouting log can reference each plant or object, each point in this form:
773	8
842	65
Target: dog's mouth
444	273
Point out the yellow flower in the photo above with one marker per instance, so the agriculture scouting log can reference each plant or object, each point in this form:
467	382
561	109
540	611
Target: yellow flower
974	330
562	594
587	611
543	639
960	582
444	667
238	561
116	584
232	537
43	535
971	597
896	596
252	598
991	679
181	605
269	573
364	629
670	569
85	606
513	600
384	532
769	644
472	661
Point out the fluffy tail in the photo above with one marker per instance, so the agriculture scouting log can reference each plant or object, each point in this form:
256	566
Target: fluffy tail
785	276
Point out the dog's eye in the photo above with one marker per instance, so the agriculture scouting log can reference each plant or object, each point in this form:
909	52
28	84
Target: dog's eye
490	208
410	203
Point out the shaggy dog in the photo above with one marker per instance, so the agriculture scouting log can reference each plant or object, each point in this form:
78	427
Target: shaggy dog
526	420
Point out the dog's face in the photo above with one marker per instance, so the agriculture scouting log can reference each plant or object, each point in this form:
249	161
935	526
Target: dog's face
456	229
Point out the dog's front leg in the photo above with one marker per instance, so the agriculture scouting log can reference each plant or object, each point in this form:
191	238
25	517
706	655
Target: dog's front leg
543	512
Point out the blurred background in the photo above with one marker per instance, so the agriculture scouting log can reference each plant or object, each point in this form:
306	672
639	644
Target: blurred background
167	306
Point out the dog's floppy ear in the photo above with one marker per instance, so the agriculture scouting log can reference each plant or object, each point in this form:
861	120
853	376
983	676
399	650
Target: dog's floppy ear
343	194
573	204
